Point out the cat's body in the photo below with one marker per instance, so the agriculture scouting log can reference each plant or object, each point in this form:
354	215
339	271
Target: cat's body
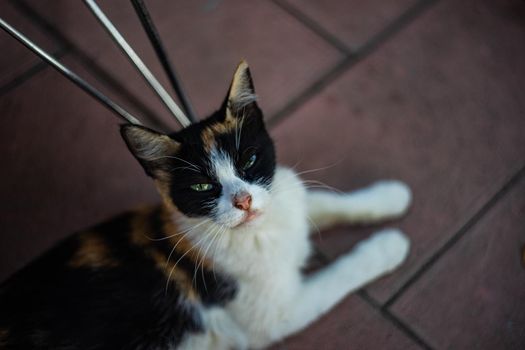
218	265
104	288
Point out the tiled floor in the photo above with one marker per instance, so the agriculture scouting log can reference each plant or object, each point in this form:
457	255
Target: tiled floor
428	91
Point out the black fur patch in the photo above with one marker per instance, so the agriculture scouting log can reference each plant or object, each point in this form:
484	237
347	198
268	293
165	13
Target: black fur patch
50	305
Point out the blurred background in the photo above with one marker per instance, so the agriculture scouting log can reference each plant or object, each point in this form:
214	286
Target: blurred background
431	92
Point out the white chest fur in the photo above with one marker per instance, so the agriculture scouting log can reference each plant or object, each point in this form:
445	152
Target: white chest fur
269	262
265	258
274	300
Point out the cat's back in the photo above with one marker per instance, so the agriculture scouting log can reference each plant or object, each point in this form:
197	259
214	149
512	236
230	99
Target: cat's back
101	288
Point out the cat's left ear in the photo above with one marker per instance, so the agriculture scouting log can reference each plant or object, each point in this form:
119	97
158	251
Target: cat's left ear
241	99
153	150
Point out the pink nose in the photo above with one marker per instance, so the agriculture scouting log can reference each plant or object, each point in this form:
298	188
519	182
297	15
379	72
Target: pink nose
242	200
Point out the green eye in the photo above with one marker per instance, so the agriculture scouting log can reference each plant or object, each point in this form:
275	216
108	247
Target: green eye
250	162
201	187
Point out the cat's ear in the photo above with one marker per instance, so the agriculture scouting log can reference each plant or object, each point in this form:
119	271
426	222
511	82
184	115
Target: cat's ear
152	149
241	99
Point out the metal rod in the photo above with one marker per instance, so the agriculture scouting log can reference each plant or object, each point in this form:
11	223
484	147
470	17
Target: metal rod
139	64
65	71
103	75
154	37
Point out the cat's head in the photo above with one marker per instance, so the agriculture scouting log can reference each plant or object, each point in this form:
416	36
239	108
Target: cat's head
220	168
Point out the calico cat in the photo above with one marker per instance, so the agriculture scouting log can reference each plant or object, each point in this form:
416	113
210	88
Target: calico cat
217	265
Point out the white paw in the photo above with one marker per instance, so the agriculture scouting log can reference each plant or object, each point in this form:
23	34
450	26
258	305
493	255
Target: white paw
388	199
386	249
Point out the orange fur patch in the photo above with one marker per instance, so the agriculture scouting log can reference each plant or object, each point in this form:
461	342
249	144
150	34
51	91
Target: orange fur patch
163	188
4	333
209	134
93	253
140	228
174	273
140	235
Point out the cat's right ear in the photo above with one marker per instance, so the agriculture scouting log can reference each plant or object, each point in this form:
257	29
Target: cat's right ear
152	149
241	100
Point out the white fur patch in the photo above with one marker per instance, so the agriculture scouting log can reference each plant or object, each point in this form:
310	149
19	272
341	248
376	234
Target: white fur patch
243	99
225	212
274	300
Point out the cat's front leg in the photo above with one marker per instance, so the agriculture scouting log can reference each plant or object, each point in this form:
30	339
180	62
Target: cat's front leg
370	259
380	201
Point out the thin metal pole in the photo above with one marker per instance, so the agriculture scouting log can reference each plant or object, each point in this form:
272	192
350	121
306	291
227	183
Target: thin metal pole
139	64
154	37
121	112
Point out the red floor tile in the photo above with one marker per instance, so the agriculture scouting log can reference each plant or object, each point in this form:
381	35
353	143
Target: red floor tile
15	58
352	22
474	296
353	324
65	168
206	43
440	107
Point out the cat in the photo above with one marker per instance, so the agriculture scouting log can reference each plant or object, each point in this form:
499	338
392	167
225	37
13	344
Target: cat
217	265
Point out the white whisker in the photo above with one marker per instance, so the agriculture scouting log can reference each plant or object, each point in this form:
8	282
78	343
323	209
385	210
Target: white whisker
180	258
214	237
186	168
315	226
201	261
178	233
320	169
219	243
322	185
175	246
182	160
238	141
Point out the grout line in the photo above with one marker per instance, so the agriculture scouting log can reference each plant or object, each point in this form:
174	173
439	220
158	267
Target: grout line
395	26
312	90
97	71
350	59
409	332
29	73
507	186
314	26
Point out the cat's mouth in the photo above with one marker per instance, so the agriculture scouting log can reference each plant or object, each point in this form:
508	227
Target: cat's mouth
249	216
